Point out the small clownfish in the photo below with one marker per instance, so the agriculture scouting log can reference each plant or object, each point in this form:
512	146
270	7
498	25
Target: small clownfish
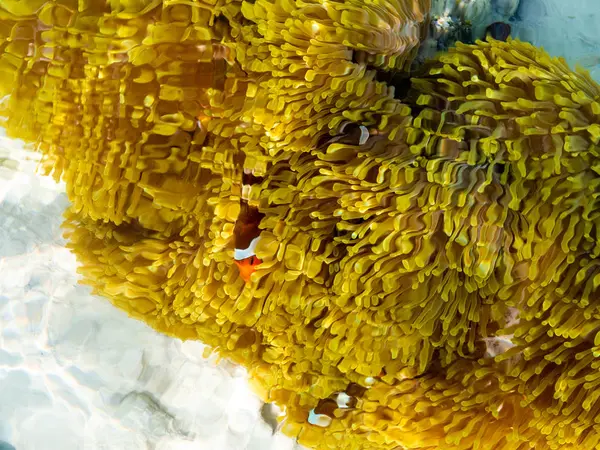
350	134
246	260
247	267
247	233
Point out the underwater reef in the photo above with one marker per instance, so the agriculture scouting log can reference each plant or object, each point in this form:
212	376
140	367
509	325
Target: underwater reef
401	261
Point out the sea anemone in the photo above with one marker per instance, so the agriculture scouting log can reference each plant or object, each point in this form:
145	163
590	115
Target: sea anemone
425	253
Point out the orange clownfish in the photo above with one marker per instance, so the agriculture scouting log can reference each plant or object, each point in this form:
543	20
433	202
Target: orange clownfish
247	234
247	231
246	260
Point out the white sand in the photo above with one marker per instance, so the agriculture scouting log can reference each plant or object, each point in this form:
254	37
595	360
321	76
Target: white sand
78	374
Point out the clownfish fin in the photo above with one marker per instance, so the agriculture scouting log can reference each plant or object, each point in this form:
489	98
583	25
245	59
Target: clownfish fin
247	267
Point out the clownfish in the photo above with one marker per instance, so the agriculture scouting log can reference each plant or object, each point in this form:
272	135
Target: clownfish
246	260
247	232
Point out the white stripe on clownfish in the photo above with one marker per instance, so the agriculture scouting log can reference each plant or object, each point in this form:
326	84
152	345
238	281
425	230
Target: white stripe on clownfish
320	420
496	345
343	400
240	254
364	132
246	192
356	135
364	135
